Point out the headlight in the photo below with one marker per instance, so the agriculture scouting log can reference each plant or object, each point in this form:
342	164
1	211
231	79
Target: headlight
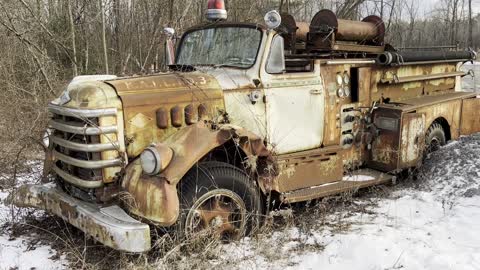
46	138
155	159
150	160
340	92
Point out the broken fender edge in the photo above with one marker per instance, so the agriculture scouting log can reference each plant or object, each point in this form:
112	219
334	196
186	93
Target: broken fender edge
192	143
111	225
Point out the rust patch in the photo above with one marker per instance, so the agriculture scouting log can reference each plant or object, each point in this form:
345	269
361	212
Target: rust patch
172	92
162	118
470	122
193	142
412	140
151	198
309	168
191	114
176	114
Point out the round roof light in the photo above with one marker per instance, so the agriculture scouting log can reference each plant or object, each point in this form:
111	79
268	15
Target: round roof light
216	10
273	19
170	32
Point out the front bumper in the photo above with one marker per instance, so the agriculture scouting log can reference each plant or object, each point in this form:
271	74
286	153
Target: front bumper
111	225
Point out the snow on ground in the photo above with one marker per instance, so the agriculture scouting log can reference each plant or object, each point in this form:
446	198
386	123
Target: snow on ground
431	224
23	252
428	223
469	83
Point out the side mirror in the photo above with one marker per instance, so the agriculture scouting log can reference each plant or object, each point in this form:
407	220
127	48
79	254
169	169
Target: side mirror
276	59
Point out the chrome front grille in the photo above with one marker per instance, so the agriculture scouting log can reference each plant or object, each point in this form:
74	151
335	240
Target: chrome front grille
78	147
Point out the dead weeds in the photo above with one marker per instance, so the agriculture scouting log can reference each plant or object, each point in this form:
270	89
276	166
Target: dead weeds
287	228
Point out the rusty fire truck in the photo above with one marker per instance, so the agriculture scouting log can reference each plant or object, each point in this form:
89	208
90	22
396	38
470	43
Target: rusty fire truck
287	110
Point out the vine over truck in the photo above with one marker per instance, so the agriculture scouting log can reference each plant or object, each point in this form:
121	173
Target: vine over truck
287	111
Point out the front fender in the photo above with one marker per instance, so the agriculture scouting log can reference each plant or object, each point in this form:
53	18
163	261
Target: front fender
149	197
193	142
155	197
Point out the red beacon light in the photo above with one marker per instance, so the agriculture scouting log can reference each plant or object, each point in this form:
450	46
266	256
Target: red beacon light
216	10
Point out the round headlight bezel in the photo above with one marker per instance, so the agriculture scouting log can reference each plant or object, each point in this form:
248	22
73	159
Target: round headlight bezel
340	92
150	161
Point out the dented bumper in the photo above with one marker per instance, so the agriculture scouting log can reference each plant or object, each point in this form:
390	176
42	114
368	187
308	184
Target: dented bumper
111	225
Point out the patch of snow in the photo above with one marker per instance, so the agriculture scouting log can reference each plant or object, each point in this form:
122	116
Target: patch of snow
17	254
20	253
358	178
430	226
415	231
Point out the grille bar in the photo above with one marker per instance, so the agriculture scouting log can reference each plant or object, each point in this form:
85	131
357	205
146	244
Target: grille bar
89	164
81	114
99	147
85	130
75	180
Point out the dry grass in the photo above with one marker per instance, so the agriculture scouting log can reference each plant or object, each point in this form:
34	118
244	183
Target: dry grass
202	251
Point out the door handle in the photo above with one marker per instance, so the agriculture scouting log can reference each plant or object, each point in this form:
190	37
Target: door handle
316	92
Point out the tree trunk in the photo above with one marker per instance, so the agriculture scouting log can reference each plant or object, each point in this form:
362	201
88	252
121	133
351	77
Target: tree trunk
72	35
470	25
104	38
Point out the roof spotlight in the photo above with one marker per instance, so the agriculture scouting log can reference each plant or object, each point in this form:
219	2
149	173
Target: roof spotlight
273	19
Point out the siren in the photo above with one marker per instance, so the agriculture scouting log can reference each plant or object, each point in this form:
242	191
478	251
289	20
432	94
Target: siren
216	10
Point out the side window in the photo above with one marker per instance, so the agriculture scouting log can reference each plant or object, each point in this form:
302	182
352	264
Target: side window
276	59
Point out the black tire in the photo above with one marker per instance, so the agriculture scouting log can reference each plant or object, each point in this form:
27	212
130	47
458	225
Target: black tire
435	138
208	177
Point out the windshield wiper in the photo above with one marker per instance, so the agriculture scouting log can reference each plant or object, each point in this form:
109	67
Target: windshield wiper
239	64
182	68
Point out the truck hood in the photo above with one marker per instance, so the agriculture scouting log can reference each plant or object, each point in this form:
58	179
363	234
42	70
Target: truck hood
157	106
172	86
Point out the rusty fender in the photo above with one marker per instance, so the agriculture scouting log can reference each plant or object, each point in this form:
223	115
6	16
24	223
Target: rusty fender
149	197
156	199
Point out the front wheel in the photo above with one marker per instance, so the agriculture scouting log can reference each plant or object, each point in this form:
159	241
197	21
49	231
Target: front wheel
220	199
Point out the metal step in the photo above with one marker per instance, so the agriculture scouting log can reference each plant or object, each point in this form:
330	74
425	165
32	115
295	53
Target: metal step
357	179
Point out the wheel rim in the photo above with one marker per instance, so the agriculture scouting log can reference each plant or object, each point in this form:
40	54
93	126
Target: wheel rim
219	212
434	144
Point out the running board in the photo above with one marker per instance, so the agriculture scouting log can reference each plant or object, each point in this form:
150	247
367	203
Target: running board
358	179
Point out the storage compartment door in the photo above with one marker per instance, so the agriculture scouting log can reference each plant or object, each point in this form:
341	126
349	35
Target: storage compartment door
412	140
470	118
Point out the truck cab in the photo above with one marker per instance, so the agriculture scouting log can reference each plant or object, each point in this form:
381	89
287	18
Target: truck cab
288	110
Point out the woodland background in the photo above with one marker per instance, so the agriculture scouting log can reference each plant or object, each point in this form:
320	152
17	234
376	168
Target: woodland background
44	43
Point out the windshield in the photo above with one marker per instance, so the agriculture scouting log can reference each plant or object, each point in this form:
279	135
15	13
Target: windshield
221	46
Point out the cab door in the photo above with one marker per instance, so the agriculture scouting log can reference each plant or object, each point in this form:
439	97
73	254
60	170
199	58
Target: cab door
295	102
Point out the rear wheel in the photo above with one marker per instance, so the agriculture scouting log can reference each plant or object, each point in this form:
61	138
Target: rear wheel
219	199
435	137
